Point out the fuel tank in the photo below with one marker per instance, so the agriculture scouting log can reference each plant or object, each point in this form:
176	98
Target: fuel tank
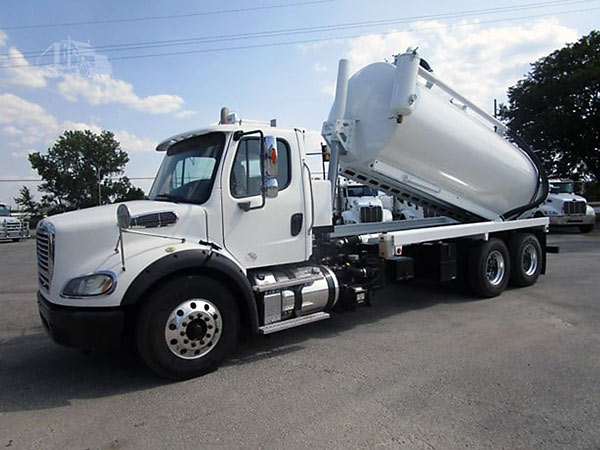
412	138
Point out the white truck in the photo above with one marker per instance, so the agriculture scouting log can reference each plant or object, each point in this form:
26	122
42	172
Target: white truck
565	208
11	227
236	235
361	204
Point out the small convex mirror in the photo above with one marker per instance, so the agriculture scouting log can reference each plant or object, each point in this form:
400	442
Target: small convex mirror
270	156
271	187
123	216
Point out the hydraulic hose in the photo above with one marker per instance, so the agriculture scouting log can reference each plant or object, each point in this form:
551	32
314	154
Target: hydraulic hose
542	189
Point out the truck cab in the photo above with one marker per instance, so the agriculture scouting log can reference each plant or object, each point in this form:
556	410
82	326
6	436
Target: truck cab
362	204
565	208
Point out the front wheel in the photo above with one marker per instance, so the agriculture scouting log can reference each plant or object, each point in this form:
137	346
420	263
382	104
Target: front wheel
489	268
586	228
187	327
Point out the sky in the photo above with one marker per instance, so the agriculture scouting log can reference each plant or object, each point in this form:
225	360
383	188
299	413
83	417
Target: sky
158	68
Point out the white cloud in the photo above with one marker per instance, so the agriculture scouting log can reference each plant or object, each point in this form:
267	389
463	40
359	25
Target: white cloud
185	113
328	89
320	67
81	126
103	89
29	123
27	119
11	131
18	72
479	62
3	38
131	143
22	153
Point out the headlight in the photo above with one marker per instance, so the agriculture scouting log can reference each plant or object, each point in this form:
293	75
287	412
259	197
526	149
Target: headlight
100	283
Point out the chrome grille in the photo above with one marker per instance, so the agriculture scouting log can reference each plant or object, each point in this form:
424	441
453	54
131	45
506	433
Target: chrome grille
45	255
371	214
574	207
13	226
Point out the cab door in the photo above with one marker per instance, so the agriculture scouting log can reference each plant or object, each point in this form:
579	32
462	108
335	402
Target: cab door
271	234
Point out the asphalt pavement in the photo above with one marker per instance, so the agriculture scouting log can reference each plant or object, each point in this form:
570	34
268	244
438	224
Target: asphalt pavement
426	367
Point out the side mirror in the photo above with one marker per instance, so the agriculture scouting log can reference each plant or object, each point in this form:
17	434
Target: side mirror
270	157
123	217
271	187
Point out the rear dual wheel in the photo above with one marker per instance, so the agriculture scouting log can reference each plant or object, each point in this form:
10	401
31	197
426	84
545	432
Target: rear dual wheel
489	268
526	259
492	265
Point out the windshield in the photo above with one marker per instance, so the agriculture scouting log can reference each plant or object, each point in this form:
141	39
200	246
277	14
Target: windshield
187	173
4	211
562	188
361	191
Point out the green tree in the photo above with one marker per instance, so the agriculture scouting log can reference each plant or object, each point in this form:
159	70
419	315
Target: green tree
556	108
28	205
83	169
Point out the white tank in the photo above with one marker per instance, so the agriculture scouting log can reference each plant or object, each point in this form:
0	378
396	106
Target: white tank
411	140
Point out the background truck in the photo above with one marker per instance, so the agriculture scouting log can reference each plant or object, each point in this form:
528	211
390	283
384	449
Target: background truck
565	208
361	204
236	234
12	227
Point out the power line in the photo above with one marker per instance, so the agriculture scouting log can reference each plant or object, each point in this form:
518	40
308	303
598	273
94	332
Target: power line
309	30
316	40
172	16
39	180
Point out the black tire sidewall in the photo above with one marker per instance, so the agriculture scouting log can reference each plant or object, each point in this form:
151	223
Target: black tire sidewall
153	316
477	268
518	277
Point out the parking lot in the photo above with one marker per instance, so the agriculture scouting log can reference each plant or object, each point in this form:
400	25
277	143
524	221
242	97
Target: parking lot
426	367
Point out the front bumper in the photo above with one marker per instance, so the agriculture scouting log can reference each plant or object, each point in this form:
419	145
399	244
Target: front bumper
572	220
8	233
85	329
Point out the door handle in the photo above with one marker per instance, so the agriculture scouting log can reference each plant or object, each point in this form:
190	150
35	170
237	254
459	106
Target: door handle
296	223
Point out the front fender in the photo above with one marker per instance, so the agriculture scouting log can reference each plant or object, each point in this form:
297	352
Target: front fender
198	261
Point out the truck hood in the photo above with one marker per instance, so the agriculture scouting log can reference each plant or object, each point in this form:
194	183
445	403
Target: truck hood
566	198
85	240
366	201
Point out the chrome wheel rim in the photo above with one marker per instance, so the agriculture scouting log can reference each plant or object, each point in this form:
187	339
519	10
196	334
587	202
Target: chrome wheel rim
529	261
193	328
495	268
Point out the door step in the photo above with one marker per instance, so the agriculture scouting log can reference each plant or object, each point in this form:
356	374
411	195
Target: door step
291	323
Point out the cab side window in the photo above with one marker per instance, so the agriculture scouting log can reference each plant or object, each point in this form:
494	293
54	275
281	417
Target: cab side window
245	179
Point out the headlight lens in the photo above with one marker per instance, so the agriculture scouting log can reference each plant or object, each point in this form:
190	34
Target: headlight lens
90	285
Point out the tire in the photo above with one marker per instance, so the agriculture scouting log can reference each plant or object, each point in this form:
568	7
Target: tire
586	228
187	327
526	260
488	268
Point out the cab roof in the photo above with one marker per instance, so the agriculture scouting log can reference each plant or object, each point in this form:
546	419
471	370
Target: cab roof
246	125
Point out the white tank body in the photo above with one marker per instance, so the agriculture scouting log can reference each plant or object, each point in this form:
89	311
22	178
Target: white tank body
437	149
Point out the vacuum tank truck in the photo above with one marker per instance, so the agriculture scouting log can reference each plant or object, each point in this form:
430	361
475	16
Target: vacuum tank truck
236	235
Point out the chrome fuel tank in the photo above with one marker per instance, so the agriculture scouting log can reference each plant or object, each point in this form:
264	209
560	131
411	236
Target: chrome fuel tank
283	292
